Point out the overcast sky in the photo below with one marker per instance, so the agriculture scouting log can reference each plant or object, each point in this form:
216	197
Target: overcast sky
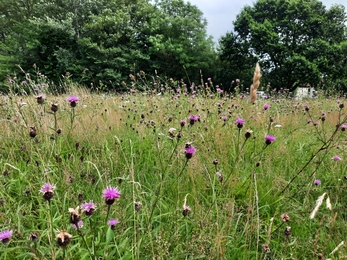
221	13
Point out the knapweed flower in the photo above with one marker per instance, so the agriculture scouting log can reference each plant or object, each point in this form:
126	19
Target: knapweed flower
183	123
186	210
110	194
269	139
79	225
224	118
248	133
239	123
285	217
40	99
72	100
74	215
32	132
336	158
5	236
343	127
317	182
190	150
54	107
88	208
193	119
63	238
172	132
33	237
112	223
266	106
47	190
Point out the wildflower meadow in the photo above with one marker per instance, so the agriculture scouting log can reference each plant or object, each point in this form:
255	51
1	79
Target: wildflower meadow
174	171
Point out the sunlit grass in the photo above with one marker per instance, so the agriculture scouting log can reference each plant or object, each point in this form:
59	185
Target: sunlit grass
124	141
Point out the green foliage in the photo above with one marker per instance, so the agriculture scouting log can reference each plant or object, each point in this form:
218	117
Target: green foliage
100	43
178	45
296	42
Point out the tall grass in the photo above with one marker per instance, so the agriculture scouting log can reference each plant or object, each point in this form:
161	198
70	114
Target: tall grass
237	197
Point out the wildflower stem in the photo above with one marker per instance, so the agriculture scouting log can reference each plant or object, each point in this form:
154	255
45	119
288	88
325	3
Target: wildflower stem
84	241
108	213
50	221
72	117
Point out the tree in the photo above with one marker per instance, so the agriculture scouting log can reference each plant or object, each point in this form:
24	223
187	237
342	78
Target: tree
297	42
101	42
178	43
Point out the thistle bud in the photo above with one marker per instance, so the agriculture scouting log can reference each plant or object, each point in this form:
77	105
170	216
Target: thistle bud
54	108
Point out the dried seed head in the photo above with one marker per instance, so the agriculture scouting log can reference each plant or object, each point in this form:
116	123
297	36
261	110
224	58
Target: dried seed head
179	135
186	210
32	132
248	133
40	99
285	217
34	236
63	238
74	215
54	108
137	205
266	248
80	197
219	176
287	231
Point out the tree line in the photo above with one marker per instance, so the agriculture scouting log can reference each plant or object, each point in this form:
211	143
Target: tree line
99	43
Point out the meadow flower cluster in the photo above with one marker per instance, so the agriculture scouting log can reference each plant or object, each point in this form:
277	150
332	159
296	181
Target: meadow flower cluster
179	171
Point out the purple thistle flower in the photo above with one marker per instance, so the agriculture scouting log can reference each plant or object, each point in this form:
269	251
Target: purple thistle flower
47	190
239	123
47	187
73	100
88	208
112	223
193	119
79	225
5	236
269	139
224	118
110	194
266	106
343	127
317	182
190	150
336	158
